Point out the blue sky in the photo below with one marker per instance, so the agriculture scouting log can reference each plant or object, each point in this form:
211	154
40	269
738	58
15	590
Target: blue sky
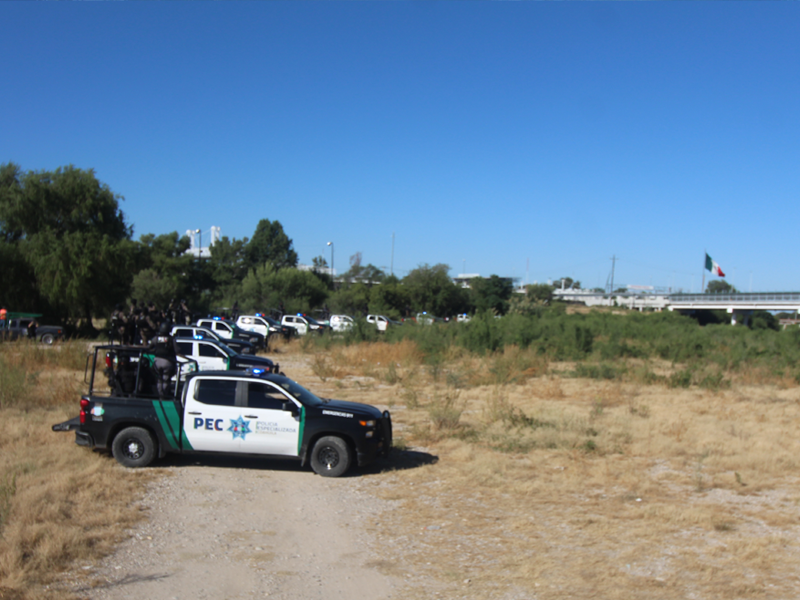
534	140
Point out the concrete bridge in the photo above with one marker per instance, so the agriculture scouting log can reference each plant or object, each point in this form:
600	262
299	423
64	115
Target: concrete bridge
738	305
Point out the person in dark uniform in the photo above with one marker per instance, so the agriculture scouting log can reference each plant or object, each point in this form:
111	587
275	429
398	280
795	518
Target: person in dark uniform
146	326
32	329
119	324
130	326
186	314
235	311
166	351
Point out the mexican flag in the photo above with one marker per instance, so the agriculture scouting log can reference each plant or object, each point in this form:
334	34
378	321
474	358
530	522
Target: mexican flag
712	266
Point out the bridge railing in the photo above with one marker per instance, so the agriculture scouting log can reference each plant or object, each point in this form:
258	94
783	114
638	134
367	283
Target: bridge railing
736	297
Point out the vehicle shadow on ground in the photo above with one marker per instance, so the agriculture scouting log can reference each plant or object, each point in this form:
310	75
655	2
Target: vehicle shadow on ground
398	460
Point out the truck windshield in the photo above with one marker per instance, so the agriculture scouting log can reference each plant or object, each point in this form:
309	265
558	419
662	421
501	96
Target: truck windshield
302	394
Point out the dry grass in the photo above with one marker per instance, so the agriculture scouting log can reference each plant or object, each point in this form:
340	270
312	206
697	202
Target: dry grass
57	506
555	486
546	486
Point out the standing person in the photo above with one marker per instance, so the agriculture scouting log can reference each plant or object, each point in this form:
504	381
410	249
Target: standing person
3	317
119	324
166	351
130	329
235	311
186	314
32	329
146	326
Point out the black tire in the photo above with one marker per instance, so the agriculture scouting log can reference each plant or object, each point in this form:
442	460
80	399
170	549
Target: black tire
331	456
134	447
48	338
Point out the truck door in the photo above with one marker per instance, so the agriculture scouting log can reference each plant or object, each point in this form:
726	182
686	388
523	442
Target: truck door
223	330
213	422
260	326
274	430
210	358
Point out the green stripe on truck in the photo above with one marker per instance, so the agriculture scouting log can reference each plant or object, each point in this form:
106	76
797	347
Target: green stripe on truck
165	426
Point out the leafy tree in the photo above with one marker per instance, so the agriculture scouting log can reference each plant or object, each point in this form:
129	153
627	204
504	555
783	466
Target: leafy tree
390	299
368	274
68	229
319	263
431	289
720	286
270	245
151	286
165	270
491	294
266	287
19	289
351	299
228	266
536	296
762	319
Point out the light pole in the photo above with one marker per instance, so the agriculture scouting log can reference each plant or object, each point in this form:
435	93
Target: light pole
200	247
332	282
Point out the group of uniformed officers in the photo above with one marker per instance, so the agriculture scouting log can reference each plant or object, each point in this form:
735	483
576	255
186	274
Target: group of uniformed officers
145	325
141	322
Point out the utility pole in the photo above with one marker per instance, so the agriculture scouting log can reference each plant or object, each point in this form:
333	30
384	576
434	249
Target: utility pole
391	264
613	264
527	269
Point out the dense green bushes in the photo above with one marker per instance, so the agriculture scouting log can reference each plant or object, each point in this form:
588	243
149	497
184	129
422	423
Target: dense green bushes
601	337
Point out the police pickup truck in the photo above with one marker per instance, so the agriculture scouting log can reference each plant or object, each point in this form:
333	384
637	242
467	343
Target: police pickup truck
232	412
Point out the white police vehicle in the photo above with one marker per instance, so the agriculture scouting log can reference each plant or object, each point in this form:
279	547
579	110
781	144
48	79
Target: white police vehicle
304	324
232	412
203	333
229	330
341	323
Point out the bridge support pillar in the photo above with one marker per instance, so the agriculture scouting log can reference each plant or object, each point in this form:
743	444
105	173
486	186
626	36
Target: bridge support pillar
736	315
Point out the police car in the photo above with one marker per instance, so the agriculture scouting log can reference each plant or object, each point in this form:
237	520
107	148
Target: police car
229	330
304	324
261	323
232	412
203	333
212	355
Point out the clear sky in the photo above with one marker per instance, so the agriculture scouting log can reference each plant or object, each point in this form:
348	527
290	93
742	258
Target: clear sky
534	140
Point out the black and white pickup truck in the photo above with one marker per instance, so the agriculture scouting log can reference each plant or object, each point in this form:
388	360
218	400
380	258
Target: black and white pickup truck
232	412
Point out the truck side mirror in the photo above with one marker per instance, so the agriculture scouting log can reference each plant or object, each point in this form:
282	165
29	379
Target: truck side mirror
290	406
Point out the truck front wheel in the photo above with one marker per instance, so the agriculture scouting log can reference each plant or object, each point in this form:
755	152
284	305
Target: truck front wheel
331	456
134	447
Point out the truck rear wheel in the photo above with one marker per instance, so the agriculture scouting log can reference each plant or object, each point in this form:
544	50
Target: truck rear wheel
134	447
331	456
48	338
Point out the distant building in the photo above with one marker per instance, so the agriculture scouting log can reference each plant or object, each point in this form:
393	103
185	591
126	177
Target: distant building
463	280
196	238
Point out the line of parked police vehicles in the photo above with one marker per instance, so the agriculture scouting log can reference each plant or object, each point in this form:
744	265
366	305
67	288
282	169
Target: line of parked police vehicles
224	399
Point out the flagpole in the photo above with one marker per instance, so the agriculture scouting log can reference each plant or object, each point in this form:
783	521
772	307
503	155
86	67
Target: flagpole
703	285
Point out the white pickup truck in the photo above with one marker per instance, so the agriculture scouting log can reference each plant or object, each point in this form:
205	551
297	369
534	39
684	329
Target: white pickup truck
381	322
304	324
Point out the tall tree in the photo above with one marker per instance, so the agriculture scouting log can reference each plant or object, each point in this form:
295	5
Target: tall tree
228	265
431	289
491	294
265	288
270	245
71	232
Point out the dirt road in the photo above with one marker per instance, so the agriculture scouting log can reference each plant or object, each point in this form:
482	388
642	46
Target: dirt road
249	528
